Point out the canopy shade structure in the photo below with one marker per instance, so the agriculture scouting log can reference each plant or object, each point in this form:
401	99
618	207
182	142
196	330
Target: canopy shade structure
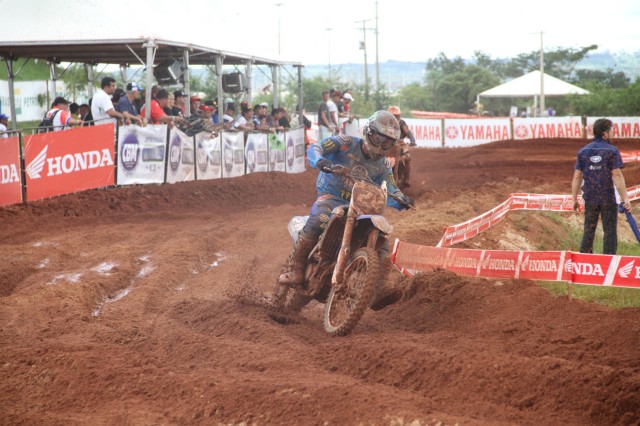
123	51
529	85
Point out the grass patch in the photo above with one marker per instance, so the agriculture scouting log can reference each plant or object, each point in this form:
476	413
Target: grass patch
613	297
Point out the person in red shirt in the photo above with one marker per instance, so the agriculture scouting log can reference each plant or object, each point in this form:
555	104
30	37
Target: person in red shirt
158	116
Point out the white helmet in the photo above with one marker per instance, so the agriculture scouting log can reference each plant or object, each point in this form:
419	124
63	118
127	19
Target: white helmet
380	135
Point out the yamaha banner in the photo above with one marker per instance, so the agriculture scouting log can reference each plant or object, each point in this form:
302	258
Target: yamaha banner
141	154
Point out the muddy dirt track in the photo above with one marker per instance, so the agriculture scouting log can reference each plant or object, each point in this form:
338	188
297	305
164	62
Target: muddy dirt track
146	305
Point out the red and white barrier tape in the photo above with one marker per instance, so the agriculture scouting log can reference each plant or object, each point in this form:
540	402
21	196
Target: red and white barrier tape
463	231
578	268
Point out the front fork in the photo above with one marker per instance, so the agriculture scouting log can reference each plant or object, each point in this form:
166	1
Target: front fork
345	249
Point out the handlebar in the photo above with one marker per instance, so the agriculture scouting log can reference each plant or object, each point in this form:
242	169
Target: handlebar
338	169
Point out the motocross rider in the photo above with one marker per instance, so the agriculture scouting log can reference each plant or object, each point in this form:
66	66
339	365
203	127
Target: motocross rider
401	153
379	136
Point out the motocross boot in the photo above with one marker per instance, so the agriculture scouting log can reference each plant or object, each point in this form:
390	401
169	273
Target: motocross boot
295	276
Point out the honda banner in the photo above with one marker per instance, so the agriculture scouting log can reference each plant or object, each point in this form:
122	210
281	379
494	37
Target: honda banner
180	167
141	154
256	153
547	127
232	154
209	156
577	268
10	179
69	161
295	150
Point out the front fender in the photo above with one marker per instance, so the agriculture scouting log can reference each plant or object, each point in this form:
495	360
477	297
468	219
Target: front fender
379	222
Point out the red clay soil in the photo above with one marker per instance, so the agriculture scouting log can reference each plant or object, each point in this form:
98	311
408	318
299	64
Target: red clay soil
149	305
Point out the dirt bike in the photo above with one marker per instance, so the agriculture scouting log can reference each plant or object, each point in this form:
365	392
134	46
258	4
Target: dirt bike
344	268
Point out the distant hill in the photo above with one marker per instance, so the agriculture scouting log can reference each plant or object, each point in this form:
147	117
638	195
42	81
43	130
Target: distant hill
396	74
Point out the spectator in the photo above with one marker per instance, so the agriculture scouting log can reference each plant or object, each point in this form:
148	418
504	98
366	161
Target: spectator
158	116
60	114
244	122
284	120
170	104
127	104
273	120
117	94
348	95
102	109
4	123
229	114
83	111
598	170
181	101
333	110
195	105
326	127
74	110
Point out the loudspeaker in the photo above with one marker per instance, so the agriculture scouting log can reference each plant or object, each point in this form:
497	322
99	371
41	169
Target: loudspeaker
234	82
168	72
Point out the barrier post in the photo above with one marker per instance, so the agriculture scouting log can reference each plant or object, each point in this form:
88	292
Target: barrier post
23	169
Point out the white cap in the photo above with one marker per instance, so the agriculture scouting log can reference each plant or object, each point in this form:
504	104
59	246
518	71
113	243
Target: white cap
348	96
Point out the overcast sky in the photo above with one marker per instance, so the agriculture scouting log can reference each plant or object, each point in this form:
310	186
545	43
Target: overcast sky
409	30
413	30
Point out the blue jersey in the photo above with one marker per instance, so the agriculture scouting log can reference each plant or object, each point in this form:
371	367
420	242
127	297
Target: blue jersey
596	161
347	151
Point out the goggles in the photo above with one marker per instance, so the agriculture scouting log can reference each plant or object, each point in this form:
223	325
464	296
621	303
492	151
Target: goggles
381	141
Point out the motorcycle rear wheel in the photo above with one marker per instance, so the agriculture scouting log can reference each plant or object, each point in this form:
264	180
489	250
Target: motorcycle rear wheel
346	303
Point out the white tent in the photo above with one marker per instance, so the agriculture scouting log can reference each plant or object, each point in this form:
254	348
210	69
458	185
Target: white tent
529	85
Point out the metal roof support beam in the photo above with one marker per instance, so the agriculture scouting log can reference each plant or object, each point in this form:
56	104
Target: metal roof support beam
300	100
185	80
221	107
275	69
151	50
91	78
249	72
12	95
123	75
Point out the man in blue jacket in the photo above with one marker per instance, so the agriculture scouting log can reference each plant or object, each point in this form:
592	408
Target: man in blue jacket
598	170
379	136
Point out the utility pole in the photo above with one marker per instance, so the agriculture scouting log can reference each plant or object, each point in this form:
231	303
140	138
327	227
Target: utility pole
378	106
363	46
279	50
542	108
329	37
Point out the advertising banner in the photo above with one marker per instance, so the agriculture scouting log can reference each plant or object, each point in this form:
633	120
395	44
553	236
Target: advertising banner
69	161
141	154
209	156
180	167
623	127
232	154
547	127
577	268
10	175
471	132
428	133
276	152
295	150
257	153
353	128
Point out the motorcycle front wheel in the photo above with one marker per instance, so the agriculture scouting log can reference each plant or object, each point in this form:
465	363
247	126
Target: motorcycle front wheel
347	302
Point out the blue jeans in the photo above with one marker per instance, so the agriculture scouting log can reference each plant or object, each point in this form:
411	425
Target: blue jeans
609	214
